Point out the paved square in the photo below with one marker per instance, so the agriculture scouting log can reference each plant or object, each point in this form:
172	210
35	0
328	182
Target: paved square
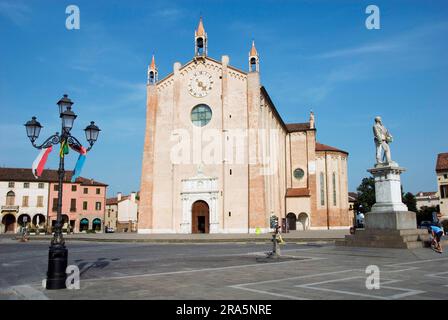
224	271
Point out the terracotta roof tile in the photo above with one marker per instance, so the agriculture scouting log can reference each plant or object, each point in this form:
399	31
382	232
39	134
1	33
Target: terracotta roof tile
111	201
294	127
442	162
25	174
324	147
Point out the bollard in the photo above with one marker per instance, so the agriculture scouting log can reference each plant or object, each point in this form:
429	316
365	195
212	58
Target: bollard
57	265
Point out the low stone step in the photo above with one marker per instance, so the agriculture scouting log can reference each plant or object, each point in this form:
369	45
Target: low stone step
406	238
405	232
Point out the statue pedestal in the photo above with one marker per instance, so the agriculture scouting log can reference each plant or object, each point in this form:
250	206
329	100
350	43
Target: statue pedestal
389	224
389	212
387	188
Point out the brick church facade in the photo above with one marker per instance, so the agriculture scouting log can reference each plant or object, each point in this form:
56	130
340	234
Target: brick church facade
218	158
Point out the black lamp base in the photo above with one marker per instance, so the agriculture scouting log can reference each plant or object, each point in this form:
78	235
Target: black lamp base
57	265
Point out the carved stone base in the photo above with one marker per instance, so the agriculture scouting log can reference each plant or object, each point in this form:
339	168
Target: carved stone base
401	220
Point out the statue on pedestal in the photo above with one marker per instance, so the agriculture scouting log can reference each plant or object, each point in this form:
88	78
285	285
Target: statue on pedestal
382	139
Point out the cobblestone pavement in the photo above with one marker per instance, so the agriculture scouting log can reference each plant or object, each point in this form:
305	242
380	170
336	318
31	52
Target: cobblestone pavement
225	271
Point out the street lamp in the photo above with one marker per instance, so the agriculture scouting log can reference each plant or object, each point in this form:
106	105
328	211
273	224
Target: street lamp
58	253
33	129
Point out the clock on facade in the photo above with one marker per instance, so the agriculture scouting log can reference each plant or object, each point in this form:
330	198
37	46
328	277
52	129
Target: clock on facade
200	84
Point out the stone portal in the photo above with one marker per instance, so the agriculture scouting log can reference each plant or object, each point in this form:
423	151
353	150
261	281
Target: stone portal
200	210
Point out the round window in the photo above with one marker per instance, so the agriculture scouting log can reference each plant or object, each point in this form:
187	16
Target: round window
201	115
298	173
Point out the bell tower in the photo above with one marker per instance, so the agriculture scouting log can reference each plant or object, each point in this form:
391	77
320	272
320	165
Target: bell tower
153	75
200	40
145	223
254	60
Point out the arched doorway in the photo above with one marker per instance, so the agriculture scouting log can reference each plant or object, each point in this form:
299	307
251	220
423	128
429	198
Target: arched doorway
65	221
83	225
304	220
24	220
96	224
200	221
291	221
9	223
39	221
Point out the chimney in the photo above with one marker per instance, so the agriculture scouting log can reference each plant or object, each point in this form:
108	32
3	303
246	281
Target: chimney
118	196
133	196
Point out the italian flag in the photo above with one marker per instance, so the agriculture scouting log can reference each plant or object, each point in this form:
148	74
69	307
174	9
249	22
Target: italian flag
39	162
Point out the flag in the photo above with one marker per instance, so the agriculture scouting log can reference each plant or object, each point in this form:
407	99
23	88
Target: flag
80	163
39	162
64	149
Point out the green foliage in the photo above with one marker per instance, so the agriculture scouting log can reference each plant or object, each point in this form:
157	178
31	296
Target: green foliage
410	201
425	214
366	195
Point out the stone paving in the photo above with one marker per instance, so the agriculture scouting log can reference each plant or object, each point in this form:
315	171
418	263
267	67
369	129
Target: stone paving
225	271
308	235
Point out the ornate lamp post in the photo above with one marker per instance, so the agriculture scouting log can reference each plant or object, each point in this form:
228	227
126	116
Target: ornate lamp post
58	253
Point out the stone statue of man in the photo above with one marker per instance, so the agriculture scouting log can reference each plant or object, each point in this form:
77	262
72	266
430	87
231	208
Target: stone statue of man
382	140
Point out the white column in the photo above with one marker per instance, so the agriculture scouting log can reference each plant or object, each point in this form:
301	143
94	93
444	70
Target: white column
214	222
185	226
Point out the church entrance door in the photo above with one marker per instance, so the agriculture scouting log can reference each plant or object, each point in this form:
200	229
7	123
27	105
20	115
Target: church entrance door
200	217
291	219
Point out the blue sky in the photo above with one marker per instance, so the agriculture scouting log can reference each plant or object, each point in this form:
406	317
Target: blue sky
314	55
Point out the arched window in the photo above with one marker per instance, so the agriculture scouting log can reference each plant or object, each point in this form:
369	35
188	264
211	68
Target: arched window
322	189
200	46
10	198
152	77
84	225
334	189
253	64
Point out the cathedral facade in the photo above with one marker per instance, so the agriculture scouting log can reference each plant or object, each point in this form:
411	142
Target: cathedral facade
218	158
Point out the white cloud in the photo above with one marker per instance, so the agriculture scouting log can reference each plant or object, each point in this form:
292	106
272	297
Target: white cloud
363	49
17	12
167	13
400	42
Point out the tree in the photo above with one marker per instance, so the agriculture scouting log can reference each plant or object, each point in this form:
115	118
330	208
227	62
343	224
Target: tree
366	195
410	201
426	214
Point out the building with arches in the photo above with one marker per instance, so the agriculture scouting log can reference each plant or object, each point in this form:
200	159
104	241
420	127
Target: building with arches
218	157
25	200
